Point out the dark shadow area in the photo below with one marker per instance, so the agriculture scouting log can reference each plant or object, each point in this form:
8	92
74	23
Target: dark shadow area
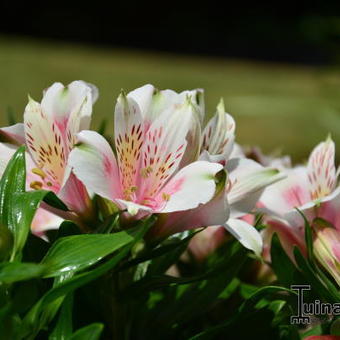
280	32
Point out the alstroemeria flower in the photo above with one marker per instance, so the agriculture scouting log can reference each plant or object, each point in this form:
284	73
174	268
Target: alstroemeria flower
151	129
327	250
49	132
312	189
246	181
43	219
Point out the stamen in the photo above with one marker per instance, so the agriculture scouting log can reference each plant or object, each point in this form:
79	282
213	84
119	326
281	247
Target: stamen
36	185
39	172
165	196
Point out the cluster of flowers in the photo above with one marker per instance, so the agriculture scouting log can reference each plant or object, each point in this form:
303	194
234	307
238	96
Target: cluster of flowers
165	161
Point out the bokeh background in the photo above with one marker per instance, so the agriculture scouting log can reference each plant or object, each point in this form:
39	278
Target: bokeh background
278	71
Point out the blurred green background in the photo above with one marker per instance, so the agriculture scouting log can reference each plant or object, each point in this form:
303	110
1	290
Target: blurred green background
276	106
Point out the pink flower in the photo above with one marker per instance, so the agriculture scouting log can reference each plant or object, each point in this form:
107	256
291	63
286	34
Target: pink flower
312	189
147	176
49	132
246	182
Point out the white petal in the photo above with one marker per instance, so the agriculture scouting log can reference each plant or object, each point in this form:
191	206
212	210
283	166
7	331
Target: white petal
213	213
248	236
327	208
60	102
191	186
164	147
15	133
143	97
6	153
94	163
285	195
218	136
44	220
129	137
248	177
321	169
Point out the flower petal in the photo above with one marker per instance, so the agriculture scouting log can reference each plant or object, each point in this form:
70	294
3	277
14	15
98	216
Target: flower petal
289	235
14	133
247	179
76	197
129	137
321	169
153	102
44	220
213	213
191	186
164	147
248	236
143	96
218	136
45	142
94	163
60	102
6	153
327	208
291	192
207	241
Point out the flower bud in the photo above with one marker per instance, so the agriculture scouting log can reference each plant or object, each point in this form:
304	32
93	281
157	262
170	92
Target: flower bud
327	251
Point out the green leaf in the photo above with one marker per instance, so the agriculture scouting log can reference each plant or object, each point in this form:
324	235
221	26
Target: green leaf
32	322
16	271
246	308
152	282
52	199
12	181
90	332
6	243
63	329
318	284
74	253
308	237
282	265
162	256
17	207
23	210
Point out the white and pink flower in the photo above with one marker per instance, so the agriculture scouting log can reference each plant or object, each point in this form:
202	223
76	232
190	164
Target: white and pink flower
312	189
49	132
151	140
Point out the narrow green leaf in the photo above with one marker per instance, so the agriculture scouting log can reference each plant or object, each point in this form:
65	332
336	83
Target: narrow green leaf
12	181
74	253
246	307
63	328
282	265
53	200
32	323
308	238
16	271
90	332
24	207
